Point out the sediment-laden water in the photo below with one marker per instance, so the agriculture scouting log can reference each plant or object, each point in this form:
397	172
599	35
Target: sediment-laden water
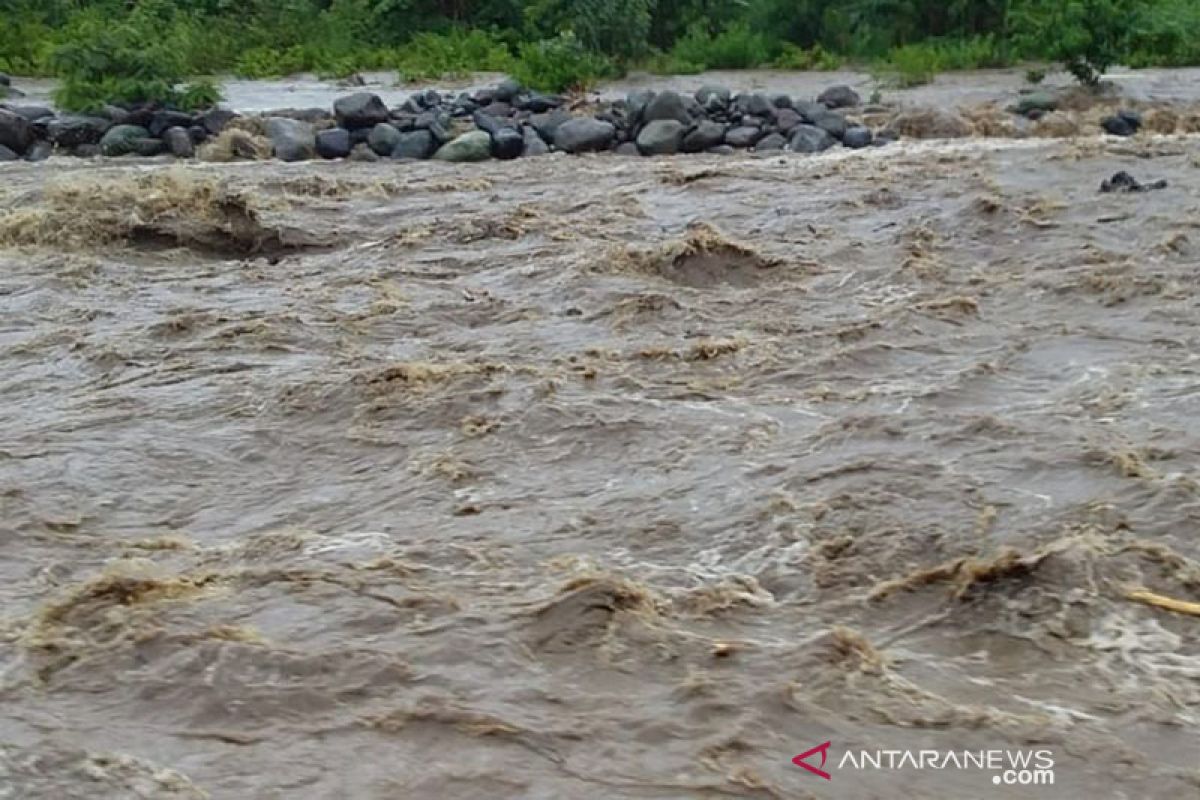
600	477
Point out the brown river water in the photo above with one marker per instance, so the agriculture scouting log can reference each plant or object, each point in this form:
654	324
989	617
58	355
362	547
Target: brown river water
599	477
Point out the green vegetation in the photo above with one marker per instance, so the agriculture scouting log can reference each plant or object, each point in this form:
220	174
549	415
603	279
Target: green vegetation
106	50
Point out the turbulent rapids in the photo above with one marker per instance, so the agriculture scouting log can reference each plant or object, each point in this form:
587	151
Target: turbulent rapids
598	477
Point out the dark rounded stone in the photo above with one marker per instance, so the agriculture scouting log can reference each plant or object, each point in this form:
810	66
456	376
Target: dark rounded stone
507	144
179	142
334	143
360	110
1117	126
839	97
857	136
418	144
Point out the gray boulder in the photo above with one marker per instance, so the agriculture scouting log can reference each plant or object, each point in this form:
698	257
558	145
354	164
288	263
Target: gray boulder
755	104
72	130
833	122
179	142
786	119
721	150
383	138
857	137
333	143
506	90
584	134
839	97
418	144
661	137
471	146
120	140
507	144
147	147
743	136
712	95
15	132
293	139
215	119
31	113
772	141
811	110
168	119
811	139
667	105
360	110
636	101
535	145
706	134
627	149
8	155
547	124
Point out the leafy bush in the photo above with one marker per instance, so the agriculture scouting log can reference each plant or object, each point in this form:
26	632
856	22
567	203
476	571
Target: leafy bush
736	47
456	53
815	58
1086	36
616	28
553	65
910	65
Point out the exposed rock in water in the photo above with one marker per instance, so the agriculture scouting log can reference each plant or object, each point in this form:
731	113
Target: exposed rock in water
383	138
811	139
31	113
363	152
706	134
168	119
711	96
7	154
832	122
471	146
930	123
584	134
636	101
1124	182
15	132
121	140
627	149
360	110
535	145
333	143
71	130
772	141
507	143
839	97
293	139
215	119
179	142
857	137
667	105
1117	126
743	136
547	124
418	144
661	137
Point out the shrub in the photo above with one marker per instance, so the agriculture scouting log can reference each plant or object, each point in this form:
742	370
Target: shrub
616	28
561	63
458	52
816	58
1086	36
910	65
736	47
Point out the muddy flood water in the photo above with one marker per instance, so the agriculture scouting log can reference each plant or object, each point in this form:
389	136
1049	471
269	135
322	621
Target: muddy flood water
591	477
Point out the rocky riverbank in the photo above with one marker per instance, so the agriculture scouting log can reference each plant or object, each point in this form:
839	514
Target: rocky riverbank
507	121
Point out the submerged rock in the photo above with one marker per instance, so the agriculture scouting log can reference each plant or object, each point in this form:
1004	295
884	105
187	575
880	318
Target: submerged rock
1124	182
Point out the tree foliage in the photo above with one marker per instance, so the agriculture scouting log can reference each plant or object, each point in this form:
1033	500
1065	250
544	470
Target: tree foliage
144	47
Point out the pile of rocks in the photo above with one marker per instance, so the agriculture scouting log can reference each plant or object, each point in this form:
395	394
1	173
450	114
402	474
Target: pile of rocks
503	122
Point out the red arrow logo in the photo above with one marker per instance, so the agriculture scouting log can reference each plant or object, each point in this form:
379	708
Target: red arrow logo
823	749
